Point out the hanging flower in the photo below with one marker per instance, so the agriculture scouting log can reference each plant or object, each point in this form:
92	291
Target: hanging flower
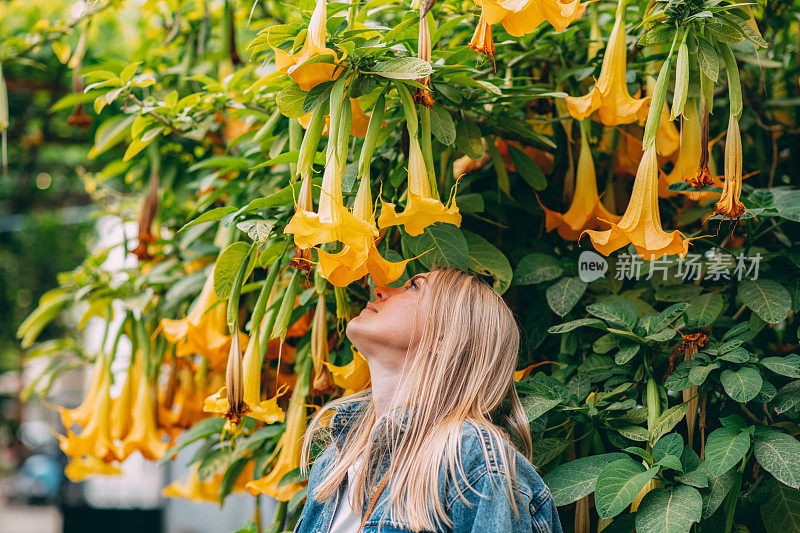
121	419
83	467
208	489
355	262
95	438
352	377
610	94
310	74
729	205
641	223
357	129
203	331
267	411
289	447
422	208
81	414
522	17
143	435
586	210
332	221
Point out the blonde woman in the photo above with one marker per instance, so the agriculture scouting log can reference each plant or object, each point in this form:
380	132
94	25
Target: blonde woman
442	350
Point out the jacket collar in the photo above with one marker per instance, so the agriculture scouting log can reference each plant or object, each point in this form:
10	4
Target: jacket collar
346	414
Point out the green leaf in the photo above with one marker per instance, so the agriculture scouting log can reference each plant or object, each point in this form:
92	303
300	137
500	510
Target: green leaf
742	385
290	101
442	125
787	397
671	444
618	484
767	298
485	259
446	243
468	139
708	59
228	264
718	488
572	481
619	313
725	447
527	168
545	450
781	511
626	352
209	216
110	133
667	421
257	230
788	366
575	324
779	454
669	510
402	68
564	294
538	399
536	268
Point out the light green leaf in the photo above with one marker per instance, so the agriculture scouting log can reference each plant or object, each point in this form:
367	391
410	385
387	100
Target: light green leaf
618	484
485	259
668	420
788	366
228	264
669	510
572	481
446	243
742	385
564	294
767	298
725	447
704	310
402	68
536	268
779	454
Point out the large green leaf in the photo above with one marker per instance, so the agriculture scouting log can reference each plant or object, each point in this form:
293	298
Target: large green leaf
788	365
704	310
781	511
446	244
485	259
572	481
564	294
742	385
669	510
618	484
767	298
668	420
228	264
787	397
537	399
536	268
619	313
779	454
718	488
725	447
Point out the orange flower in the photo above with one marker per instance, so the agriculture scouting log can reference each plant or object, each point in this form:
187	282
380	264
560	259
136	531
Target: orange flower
355	262
143	434
289	447
641	223
422	208
352	377
522	17
586	210
610	93
81	468
81	414
203	331
310	74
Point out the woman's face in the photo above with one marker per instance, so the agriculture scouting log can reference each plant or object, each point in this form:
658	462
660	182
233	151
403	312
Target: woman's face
386	325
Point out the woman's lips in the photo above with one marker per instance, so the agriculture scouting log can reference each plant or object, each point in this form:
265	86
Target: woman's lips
372	308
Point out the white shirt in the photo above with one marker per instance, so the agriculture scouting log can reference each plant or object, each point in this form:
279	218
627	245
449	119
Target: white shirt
344	519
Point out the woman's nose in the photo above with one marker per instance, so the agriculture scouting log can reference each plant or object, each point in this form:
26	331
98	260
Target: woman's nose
381	293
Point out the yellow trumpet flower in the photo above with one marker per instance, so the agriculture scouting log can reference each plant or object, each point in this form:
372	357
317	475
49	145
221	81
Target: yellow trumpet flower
81	414
203	331
332	221
83	467
352	377
522	17
267	411
641	223
610	94
310	75
121	420
586	207
422	208
95	438
355	262
143	434
290	446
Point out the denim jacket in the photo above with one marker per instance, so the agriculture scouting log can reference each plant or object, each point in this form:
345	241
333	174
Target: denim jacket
491	514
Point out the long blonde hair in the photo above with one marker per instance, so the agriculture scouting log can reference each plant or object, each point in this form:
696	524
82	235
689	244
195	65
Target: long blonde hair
462	370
